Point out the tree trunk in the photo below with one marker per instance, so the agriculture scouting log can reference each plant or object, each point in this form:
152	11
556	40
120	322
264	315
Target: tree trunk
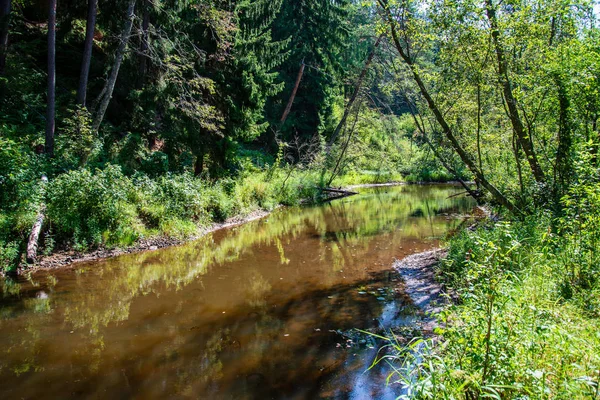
466	159
359	83
114	73
32	243
336	169
516	151
87	51
293	95
562	165
525	140
51	105
594	137
4	26
144	46
199	164
479	159
476	194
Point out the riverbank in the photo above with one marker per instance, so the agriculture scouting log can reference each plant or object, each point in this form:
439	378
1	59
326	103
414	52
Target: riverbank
420	284
63	258
526	317
105	213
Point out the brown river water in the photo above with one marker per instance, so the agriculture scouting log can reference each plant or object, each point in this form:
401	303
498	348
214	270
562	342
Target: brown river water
264	310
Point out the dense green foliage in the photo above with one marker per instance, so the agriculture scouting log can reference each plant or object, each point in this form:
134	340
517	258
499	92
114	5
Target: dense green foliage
192	130
216	108
528	321
510	92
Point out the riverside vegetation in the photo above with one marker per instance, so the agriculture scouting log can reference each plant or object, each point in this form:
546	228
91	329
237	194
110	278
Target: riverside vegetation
208	109
175	120
526	322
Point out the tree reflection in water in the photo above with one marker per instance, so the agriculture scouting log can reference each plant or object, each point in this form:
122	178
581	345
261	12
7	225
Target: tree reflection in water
246	312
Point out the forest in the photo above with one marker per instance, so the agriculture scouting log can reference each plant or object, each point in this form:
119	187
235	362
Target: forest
125	120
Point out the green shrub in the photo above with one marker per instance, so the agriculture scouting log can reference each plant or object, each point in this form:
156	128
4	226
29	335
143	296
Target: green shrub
9	254
181	195
94	208
76	143
513	334
219	204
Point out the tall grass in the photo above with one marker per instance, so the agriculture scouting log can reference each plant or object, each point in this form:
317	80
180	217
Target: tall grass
106	208
526	326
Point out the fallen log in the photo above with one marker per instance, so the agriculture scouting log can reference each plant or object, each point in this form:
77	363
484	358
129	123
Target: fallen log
32	244
342	191
476	194
334	194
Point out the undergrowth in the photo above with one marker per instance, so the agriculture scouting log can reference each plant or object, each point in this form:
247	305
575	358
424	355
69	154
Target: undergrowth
88	208
526	325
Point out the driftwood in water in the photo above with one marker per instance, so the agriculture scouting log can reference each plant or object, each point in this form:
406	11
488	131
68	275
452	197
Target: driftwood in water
476	194
342	191
336	193
32	244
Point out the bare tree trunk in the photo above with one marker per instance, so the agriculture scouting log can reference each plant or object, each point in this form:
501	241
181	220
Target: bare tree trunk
32	243
51	105
144	46
524	138
480	162
466	159
516	151
476	194
596	139
114	73
562	165
293	95
337	169
357	87
199	164
4	26
87	51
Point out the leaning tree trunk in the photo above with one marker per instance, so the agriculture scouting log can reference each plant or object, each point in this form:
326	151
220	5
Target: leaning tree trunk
476	194
32	243
288	107
337	169
51	105
525	139
87	51
4	26
433	107
114	73
359	83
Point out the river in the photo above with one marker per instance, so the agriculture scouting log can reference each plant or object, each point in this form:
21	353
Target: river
263	310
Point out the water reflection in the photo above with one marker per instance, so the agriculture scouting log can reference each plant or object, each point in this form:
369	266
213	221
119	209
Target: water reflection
254	311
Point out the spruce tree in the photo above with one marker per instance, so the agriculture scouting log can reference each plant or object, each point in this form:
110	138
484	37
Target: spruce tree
252	76
318	31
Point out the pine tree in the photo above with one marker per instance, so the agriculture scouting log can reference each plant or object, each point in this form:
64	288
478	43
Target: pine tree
252	77
318	31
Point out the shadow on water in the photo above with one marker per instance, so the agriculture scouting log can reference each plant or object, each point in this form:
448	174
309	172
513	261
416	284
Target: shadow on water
264	310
